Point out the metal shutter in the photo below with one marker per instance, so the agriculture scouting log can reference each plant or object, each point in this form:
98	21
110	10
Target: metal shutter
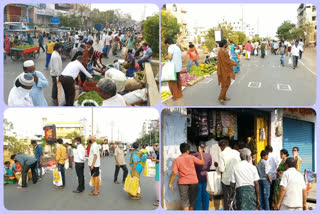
300	134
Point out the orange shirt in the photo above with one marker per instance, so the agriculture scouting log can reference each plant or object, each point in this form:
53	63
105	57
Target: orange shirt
184	165
193	54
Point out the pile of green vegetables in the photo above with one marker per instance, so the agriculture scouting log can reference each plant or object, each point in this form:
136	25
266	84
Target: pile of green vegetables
24	46
139	75
91	95
202	71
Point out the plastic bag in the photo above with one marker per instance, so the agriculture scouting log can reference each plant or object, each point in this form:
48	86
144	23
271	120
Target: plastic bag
135	96
66	164
214	186
91	180
168	72
61	94
57	179
131	185
290	61
150	168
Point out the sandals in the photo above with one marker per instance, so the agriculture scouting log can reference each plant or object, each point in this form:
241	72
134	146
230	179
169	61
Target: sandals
135	198
93	194
156	204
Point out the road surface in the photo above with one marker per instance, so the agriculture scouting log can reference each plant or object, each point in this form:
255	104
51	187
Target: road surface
261	82
44	196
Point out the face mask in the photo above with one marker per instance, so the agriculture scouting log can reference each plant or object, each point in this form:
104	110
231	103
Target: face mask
31	74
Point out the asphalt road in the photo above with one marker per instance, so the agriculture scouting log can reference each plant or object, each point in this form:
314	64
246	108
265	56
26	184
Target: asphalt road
44	196
260	82
13	68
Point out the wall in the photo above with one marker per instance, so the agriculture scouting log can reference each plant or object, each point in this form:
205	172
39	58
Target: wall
174	132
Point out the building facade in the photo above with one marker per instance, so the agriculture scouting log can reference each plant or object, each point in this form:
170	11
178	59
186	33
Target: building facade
307	18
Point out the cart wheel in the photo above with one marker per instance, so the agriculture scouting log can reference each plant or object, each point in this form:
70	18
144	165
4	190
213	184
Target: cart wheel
15	56
36	54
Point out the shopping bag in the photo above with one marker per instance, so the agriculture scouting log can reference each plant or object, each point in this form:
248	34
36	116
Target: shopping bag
91	180
255	52
61	95
66	164
214	186
131	185
168	72
290	61
150	168
246	56
57	179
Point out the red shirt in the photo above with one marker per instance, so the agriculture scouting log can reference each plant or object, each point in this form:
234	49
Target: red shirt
184	165
193	55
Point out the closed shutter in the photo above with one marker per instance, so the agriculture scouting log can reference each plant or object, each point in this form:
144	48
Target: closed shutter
300	134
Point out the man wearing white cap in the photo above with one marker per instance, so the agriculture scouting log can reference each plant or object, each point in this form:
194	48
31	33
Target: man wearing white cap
19	94
40	82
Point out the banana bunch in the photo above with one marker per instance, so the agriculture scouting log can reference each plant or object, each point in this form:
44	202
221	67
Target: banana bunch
165	95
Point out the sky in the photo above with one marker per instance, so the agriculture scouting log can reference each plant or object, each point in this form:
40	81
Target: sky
137	11
27	122
269	16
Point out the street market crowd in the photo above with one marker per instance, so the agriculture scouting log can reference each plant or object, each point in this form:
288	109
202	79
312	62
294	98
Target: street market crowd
27	167
217	169
116	83
228	59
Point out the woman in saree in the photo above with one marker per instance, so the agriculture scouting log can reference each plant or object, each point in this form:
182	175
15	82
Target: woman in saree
136	168
281	168
234	57
263	50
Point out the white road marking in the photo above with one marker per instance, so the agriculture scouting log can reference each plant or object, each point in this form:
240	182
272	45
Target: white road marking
284	87
254	85
307	68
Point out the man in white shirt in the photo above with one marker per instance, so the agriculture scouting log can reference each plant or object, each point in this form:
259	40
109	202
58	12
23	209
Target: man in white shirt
295	51
212	147
301	44
293	193
273	164
120	163
94	164
55	70
68	76
244	179
79	157
76	40
106	147
108	91
107	43
228	159
20	93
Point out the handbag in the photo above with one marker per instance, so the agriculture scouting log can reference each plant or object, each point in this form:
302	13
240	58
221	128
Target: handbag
168	72
131	185
214	186
57	179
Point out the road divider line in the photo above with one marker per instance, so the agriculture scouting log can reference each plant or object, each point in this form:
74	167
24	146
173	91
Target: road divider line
308	68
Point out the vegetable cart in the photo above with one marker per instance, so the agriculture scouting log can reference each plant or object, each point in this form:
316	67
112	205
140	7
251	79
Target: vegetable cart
66	48
23	53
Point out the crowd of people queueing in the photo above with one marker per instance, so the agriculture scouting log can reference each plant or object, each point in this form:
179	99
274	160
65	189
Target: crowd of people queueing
77	157
270	184
86	62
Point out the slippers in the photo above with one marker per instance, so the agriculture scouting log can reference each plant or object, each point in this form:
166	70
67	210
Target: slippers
156	204
93	194
135	198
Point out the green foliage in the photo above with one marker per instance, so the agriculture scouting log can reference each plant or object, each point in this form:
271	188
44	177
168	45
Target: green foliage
238	37
73	135
227	30
72	21
169	29
210	39
151	138
15	145
256	38
286	31
151	33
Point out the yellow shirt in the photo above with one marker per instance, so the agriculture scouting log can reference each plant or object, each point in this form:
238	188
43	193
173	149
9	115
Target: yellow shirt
50	46
61	154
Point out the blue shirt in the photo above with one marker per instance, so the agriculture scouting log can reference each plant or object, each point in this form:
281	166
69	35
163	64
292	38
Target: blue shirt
40	40
130	72
38	152
36	92
147	54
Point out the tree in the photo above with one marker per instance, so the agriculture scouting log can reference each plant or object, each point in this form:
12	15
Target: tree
286	31
73	135
170	28
238	37
210	39
72	21
15	145
151	138
227	31
151	33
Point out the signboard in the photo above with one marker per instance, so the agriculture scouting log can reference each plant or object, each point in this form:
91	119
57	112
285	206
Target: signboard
55	20
218	35
50	133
